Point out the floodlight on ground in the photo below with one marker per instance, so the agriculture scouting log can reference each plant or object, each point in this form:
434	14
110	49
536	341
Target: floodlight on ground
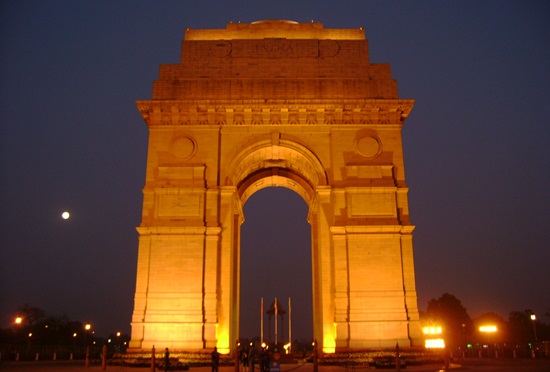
434	343
489	328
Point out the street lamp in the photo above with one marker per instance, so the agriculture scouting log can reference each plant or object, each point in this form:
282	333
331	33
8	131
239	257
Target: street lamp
19	324
87	328
489	329
534	319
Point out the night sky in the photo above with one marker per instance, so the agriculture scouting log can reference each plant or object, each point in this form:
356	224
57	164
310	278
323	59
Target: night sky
477	154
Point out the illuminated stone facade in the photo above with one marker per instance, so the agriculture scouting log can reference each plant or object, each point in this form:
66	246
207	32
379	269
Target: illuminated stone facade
275	103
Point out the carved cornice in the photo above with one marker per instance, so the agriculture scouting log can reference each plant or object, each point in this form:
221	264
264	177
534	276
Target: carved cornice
274	112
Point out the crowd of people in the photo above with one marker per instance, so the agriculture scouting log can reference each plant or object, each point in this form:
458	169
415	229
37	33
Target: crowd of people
251	356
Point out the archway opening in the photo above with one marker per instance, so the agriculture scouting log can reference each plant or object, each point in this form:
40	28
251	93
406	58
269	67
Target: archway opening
276	262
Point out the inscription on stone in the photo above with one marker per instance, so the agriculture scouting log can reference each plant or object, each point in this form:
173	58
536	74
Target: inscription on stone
275	48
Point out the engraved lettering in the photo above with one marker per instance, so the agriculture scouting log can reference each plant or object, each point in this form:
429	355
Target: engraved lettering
277	48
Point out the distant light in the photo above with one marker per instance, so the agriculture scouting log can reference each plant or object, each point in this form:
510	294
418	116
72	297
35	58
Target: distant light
30	334
432	330
18	320
74	334
118	334
435	343
65	215
87	326
533	317
488	328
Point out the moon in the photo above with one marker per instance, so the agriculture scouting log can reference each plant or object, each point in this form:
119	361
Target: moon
65	215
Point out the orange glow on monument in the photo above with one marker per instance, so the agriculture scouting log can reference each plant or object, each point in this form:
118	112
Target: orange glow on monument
275	103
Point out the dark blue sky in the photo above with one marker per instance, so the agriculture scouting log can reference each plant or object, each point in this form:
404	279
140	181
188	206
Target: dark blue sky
477	151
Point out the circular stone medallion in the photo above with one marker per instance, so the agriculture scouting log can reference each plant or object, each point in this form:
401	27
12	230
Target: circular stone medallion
184	147
369	147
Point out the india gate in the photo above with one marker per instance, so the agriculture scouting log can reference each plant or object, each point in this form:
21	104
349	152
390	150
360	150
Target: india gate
262	104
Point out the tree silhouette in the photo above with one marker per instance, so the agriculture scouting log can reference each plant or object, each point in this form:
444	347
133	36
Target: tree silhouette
449	311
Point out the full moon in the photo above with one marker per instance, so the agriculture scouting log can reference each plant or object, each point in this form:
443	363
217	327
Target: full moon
65	215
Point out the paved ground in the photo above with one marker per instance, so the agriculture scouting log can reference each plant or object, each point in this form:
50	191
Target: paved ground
471	365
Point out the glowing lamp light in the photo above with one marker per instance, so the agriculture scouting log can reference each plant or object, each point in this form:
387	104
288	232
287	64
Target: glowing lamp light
432	330
329	343
488	328
286	347
434	343
65	215
18	320
533	317
88	326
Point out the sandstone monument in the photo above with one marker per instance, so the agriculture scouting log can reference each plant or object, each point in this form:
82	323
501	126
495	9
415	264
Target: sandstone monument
275	103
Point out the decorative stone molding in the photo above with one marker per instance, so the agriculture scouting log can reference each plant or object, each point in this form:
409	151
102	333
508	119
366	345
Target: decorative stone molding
375	112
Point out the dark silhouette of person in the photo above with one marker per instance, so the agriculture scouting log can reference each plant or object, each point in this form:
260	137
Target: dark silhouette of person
252	356
244	360
166	360
215	359
265	358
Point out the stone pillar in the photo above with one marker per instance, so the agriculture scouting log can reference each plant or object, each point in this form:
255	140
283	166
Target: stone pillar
228	271
323	271
211	253
341	287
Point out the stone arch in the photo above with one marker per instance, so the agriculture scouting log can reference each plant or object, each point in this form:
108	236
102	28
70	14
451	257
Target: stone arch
275	104
285	163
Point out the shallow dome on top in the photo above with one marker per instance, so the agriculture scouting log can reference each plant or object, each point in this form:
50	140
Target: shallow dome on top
275	21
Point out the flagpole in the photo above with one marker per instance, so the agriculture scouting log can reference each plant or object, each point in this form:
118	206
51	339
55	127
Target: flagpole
261	320
289	326
276	315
